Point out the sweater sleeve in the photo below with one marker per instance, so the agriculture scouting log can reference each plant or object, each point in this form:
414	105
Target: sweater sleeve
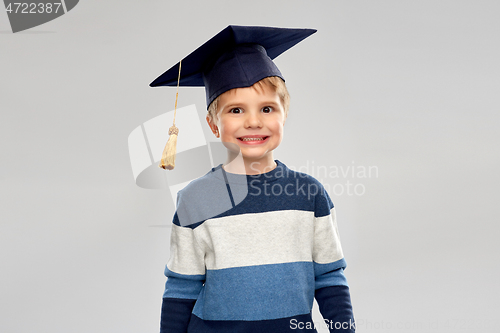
331	288
185	272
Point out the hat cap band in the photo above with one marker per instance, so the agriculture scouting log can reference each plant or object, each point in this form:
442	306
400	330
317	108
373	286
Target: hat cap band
240	67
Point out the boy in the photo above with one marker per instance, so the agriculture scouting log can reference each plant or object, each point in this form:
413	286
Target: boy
255	260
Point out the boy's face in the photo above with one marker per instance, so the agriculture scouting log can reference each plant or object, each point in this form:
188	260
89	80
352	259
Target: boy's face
250	120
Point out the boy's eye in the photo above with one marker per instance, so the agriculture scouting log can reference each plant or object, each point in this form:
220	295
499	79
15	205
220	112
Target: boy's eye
235	110
267	109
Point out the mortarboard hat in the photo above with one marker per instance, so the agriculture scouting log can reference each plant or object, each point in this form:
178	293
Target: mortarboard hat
237	57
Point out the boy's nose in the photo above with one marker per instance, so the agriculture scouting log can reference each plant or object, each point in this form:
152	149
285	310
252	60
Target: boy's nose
253	119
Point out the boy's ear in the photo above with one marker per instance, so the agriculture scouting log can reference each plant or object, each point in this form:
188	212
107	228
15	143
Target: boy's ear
213	127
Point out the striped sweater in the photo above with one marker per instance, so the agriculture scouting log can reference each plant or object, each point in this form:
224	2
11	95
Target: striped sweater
249	253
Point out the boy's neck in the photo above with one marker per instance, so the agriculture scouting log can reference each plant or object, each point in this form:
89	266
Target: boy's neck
241	165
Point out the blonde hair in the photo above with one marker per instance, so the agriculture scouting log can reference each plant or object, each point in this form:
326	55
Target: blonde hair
274	82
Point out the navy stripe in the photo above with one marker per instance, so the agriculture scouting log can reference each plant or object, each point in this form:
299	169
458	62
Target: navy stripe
287	190
335	306
175	315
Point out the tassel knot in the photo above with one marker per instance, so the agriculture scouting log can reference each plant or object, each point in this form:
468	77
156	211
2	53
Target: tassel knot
173	130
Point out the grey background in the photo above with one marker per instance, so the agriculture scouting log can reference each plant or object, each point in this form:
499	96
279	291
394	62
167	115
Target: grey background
410	87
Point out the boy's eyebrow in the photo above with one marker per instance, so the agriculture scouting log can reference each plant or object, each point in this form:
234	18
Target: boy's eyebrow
232	105
270	102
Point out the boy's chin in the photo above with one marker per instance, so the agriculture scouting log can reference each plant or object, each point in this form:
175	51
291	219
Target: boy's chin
254	156
247	153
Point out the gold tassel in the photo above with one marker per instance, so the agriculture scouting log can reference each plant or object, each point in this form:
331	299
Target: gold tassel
168	156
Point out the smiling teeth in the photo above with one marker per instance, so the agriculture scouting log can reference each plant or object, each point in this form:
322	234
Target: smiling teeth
252	139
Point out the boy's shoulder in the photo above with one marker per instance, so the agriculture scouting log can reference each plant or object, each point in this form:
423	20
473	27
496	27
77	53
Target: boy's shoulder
291	174
206	197
204	187
310	187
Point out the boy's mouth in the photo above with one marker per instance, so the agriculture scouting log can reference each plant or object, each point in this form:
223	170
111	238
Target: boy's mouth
253	138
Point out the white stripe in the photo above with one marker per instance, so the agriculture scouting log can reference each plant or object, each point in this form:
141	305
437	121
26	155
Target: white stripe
327	246
257	239
186	257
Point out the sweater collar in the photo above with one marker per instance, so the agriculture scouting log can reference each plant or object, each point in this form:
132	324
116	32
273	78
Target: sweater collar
270	176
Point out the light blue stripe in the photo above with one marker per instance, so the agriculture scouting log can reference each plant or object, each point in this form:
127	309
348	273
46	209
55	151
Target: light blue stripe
169	273
182	286
257	292
320	269
331	274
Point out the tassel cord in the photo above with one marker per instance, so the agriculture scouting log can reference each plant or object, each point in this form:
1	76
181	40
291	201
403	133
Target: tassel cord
168	157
